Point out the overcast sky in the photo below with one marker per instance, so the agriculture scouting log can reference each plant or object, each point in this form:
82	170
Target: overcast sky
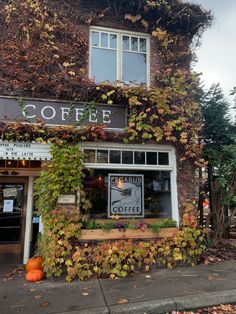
217	54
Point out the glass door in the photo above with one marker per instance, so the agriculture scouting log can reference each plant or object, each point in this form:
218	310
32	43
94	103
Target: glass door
12	219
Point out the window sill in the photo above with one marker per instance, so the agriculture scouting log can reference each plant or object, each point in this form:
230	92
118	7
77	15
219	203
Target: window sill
98	234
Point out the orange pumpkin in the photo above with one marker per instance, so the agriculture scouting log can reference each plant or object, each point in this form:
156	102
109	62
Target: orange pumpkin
34	263
34	275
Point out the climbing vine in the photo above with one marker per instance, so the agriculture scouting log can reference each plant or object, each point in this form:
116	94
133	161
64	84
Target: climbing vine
64	174
44	53
62	251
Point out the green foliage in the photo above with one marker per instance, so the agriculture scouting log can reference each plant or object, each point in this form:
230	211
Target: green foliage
62	252
107	226
218	129
91	224
119	258
219	134
165	223
64	174
61	229
136	224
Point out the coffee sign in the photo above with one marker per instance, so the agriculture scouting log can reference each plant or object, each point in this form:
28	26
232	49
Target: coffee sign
62	113
126	195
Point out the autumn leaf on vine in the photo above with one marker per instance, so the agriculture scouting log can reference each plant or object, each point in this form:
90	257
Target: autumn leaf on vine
133	18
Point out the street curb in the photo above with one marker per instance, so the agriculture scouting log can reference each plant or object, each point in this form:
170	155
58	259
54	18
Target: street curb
205	299
97	310
189	302
150	307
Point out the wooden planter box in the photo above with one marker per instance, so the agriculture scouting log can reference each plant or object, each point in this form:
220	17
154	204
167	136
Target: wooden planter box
98	234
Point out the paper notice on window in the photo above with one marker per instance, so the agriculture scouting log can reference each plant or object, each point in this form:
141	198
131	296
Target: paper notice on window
8	206
10	192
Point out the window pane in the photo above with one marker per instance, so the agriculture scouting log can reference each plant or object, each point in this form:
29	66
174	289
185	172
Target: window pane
103	65
89	155
104	40
102	156
163	158
11	215
23	164
126	43
142	45
115	156
11	163
157	194
127	157
95	39
134	43
139	158
113	41
134	68
35	164
151	158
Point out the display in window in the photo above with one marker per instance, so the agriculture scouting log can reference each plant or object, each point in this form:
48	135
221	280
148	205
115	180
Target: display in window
156	188
125	195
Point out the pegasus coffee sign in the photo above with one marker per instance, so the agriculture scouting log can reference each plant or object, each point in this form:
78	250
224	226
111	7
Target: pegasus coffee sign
62	113
126	195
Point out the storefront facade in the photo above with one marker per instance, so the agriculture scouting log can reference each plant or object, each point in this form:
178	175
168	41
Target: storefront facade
120	66
20	163
135	181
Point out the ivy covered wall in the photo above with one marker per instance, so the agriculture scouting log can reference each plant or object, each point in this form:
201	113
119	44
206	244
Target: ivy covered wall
44	53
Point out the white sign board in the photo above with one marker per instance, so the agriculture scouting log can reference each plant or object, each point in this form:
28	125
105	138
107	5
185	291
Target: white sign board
126	195
26	151
67	199
11	192
8	206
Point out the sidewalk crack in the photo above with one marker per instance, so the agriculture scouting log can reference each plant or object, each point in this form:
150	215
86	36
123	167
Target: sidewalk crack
104	298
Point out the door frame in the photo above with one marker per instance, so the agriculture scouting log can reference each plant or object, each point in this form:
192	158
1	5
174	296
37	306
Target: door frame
17	248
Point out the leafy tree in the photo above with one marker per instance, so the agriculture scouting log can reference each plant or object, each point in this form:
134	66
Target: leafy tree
219	134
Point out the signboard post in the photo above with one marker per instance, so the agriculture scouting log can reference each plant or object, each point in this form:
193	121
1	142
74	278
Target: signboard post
126	195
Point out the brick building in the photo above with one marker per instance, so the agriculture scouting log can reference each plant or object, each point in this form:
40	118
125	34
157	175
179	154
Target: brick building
125	43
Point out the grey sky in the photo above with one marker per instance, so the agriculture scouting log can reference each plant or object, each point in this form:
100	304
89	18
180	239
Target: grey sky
217	54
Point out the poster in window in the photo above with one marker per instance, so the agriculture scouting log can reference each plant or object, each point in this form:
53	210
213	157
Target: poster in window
126	195
8	206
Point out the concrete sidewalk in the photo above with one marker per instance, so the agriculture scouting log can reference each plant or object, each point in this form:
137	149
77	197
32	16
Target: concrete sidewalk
159	291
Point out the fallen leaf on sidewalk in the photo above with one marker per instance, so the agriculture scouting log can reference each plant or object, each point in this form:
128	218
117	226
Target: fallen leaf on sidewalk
122	301
85	294
44	304
14	271
31	290
37	297
211	278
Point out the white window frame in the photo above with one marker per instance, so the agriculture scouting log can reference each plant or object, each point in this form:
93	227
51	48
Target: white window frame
119	62
143	148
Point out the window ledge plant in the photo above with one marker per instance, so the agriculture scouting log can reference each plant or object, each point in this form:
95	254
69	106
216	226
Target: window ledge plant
127	229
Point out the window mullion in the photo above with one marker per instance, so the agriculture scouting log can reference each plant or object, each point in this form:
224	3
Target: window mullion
119	57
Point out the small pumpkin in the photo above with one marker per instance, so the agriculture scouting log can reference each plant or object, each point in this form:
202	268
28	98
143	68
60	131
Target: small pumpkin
34	263
34	275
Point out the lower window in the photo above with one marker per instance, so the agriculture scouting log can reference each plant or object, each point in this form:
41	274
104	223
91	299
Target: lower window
128	193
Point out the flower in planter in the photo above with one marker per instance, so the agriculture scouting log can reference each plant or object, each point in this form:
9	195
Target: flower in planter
120	225
141	225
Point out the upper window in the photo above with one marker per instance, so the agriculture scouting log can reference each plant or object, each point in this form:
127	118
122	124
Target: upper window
119	56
